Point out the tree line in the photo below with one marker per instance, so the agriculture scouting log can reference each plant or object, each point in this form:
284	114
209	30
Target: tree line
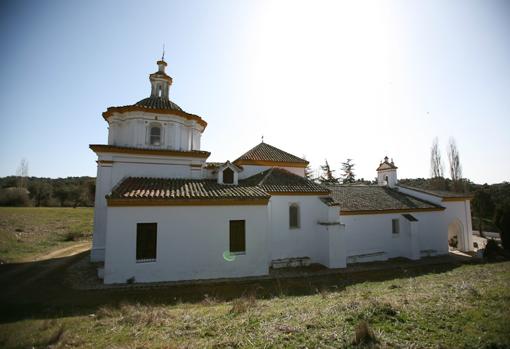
34	191
326	174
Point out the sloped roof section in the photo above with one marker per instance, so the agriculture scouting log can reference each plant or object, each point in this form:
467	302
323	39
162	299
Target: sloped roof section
386	165
177	190
370	199
440	193
280	181
265	154
158	103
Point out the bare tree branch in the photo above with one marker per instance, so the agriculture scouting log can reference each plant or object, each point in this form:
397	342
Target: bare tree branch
454	161
436	163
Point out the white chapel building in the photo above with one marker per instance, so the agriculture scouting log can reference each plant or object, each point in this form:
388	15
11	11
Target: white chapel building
163	213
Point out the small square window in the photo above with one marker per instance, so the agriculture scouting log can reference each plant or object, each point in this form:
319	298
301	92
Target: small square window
395	226
146	242
238	236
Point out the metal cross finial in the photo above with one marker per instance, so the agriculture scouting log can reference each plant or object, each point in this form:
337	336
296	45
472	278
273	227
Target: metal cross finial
163	55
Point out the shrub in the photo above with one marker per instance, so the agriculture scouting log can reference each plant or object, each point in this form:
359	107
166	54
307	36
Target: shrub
502	221
14	197
492	250
73	235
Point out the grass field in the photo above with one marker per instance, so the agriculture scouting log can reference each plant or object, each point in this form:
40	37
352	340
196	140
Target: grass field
448	305
466	307
26	232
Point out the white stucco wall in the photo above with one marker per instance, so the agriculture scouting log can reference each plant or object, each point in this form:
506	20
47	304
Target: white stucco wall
120	166
190	243
103	187
305	241
372	234
455	210
461	211
131	129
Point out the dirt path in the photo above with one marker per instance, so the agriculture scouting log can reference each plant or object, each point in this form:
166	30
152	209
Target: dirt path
65	252
29	271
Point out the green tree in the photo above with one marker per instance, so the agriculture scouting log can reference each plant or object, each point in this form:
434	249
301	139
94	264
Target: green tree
502	222
483	206
308	171
348	176
327	176
40	192
62	193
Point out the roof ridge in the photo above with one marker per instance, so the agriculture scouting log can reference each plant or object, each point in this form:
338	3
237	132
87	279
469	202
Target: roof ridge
267	152
265	176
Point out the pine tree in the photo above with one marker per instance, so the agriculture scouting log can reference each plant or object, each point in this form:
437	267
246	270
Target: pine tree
348	175
308	171
327	175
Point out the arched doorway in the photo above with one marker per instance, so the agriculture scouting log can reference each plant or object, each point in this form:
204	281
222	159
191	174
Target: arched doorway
456	237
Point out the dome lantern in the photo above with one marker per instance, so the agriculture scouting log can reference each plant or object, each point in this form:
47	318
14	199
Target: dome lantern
160	81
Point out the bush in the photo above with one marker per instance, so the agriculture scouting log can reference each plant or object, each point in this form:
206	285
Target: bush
492	250
14	197
502	221
73	235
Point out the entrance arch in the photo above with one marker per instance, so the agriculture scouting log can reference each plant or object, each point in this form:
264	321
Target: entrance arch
456	234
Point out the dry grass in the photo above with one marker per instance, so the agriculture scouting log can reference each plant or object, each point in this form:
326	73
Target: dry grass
30	231
364	335
465	307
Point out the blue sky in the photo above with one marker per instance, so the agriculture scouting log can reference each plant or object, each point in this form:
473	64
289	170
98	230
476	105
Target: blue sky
323	79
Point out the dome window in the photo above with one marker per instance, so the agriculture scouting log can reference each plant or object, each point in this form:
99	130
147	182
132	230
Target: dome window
155	135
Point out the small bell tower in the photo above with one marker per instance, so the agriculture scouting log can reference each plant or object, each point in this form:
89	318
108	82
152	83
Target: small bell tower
160	81
387	173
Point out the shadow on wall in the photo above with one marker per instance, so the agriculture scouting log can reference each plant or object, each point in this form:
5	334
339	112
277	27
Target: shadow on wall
42	289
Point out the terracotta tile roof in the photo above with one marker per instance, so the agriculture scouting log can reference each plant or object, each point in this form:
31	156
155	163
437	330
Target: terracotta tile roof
158	103
182	189
386	165
278	180
353	198
266	152
439	193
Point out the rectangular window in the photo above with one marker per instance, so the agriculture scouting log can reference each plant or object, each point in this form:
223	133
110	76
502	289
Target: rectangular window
237	237
294	216
395	226
146	238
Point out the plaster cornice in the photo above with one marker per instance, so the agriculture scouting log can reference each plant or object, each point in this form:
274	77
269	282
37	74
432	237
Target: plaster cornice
130	108
104	148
